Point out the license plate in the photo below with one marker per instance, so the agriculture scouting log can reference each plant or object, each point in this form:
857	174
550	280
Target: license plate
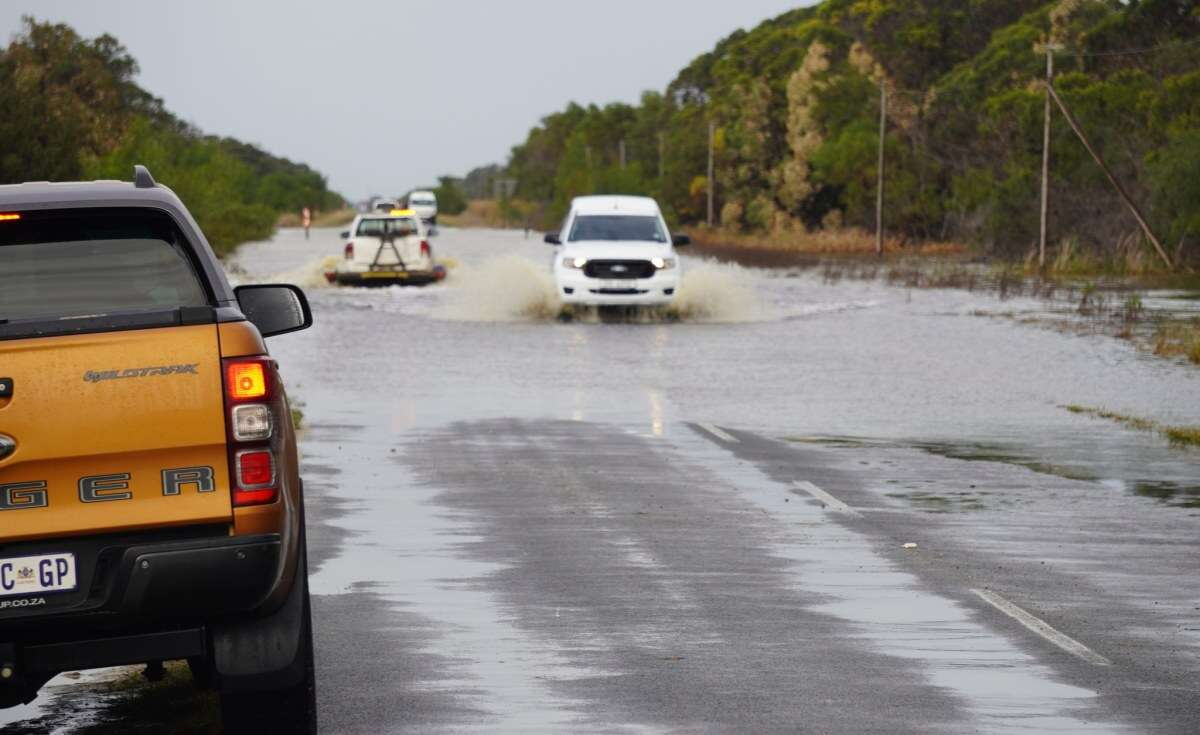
31	575
619	285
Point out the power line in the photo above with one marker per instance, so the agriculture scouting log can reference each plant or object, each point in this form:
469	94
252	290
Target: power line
1133	52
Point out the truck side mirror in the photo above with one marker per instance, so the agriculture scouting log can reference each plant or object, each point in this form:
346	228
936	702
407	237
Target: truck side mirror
274	309
345	234
552	238
680	240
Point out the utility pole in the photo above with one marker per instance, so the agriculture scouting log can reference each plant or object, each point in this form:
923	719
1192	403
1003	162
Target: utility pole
879	185
1050	49
621	152
1112	178
712	142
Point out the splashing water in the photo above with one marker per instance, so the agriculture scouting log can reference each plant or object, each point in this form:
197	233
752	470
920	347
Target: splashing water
718	293
310	275
504	289
513	288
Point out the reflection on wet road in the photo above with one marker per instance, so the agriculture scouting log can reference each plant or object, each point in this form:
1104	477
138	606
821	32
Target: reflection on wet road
792	506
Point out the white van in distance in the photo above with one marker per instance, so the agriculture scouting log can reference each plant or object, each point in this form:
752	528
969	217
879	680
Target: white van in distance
424	203
616	251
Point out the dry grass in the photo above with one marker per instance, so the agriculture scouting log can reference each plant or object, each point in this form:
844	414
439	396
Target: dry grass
1178	339
1185	435
487	213
479	213
1129	257
847	241
1179	435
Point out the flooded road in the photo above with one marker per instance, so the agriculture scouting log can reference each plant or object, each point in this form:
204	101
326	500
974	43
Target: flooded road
788	505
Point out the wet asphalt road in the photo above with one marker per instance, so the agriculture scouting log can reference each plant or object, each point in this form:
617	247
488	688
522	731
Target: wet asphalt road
520	525
615	582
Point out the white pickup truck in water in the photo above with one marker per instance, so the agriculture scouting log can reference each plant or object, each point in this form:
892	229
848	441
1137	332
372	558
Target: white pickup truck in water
386	249
616	251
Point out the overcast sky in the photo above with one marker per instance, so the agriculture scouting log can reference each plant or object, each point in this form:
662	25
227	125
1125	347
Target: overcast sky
382	96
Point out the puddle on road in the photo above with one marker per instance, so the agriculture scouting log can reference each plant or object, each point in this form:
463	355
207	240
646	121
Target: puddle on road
97	702
961	502
408	551
1171	493
1005	689
966	451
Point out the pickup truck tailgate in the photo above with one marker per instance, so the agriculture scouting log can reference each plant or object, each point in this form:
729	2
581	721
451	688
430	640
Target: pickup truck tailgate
113	432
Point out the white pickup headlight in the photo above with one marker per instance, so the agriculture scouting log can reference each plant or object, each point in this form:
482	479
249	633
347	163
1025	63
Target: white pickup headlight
252	422
575	263
662	264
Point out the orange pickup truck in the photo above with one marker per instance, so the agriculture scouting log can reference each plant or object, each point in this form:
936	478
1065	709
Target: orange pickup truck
151	506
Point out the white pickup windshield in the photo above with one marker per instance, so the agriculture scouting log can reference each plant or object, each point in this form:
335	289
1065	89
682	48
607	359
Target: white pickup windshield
617	228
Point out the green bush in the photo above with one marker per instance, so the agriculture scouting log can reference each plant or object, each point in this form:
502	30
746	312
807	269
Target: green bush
103	124
795	102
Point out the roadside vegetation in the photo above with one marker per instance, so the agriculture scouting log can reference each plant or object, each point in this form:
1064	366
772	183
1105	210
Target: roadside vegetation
491	213
72	111
1178	435
1179	339
297	410
795	105
800	245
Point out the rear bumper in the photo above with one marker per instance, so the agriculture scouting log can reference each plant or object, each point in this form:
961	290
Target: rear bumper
138	600
161	577
215	578
379	279
35	664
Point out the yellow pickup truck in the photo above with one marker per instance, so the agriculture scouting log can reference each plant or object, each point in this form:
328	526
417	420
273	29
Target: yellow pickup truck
151	507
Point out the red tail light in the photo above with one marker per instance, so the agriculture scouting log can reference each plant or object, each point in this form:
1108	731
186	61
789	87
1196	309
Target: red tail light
254	408
425	248
349	251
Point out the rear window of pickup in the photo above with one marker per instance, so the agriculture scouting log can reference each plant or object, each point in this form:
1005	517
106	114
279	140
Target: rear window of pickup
381	226
93	263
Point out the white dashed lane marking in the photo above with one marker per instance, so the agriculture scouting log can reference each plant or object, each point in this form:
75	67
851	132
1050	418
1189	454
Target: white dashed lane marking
1042	628
722	435
830	502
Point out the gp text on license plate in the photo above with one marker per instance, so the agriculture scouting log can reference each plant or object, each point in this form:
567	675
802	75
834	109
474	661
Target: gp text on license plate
31	575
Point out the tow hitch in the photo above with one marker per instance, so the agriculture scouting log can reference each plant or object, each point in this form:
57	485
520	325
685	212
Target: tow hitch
15	688
8	662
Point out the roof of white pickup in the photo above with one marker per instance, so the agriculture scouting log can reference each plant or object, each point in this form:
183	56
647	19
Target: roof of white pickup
610	204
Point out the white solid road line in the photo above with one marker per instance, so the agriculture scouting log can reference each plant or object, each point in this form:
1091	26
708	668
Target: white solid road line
1042	628
723	436
830	502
